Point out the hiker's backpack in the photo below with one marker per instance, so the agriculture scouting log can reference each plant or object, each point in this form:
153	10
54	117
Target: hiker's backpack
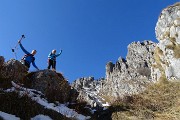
26	55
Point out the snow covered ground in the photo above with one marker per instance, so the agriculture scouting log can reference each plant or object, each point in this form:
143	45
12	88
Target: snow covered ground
6	116
41	117
36	96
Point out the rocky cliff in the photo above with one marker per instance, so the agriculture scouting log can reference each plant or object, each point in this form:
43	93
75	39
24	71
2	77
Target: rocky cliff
129	76
125	77
167	55
89	90
146	62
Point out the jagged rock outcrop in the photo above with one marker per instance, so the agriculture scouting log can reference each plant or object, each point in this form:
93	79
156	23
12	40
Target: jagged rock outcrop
146	61
129	76
52	84
167	53
88	89
87	82
12	69
125	77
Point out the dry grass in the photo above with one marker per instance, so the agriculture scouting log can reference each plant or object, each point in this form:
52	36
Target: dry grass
170	46
159	63
157	53
176	4
159	102
175	47
107	98
173	40
176	51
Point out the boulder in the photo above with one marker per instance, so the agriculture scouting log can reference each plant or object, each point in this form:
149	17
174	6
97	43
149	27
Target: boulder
11	70
52	84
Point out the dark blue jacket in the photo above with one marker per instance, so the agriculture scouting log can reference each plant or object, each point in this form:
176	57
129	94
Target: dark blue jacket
29	58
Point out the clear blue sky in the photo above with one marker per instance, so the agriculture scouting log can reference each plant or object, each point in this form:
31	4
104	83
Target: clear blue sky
90	32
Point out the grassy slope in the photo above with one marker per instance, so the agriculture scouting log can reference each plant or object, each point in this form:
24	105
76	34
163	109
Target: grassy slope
160	101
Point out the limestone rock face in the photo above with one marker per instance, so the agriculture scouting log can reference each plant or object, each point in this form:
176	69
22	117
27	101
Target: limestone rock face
125	77
146	62
130	75
85	82
88	89
167	53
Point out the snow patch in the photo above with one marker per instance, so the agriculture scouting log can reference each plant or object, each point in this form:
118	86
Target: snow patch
36	96
41	117
6	116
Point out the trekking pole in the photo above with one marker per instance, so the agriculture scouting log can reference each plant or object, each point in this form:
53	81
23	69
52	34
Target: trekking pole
13	49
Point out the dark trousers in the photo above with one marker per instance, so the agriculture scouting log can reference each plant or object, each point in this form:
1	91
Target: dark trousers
51	63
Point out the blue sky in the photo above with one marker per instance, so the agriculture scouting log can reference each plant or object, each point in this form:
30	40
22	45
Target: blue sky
90	32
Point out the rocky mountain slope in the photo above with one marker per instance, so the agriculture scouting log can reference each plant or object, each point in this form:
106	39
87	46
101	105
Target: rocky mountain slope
146	62
144	85
125	77
27	94
129	76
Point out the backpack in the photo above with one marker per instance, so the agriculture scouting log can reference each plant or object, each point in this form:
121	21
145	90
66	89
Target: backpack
26	55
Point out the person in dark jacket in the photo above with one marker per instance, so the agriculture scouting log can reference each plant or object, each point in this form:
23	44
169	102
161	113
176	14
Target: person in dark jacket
52	59
28	57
